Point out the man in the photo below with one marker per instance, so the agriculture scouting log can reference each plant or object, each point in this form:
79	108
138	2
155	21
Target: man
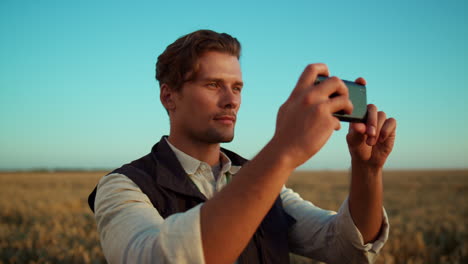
190	201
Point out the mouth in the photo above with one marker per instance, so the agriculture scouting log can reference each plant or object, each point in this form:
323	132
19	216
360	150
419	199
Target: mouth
225	119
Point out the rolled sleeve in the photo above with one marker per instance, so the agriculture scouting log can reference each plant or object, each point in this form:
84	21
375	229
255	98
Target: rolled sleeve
132	230
351	233
326	235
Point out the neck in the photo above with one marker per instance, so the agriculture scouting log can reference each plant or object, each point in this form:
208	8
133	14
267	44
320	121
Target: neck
202	151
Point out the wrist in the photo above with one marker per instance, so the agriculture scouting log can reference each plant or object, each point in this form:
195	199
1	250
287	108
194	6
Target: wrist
279	156
366	181
365	168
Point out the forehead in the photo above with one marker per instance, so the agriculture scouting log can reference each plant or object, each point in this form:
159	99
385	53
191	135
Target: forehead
218	65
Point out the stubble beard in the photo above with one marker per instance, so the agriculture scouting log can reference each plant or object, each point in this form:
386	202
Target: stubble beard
215	136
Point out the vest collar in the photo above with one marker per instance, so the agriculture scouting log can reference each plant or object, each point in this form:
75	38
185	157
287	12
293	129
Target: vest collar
191	164
170	173
163	155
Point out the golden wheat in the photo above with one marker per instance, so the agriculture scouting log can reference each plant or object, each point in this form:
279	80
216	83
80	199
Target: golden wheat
44	217
427	211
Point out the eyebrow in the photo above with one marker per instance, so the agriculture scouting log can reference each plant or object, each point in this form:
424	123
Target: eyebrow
208	79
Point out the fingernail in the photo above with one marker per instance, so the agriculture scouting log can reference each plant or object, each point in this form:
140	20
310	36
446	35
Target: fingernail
371	131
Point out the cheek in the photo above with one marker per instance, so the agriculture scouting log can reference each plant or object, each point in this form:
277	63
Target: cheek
200	106
205	100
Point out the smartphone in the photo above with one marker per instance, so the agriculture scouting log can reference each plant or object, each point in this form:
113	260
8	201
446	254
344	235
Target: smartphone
357	95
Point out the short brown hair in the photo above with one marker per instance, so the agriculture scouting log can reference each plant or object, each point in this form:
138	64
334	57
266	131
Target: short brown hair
178	63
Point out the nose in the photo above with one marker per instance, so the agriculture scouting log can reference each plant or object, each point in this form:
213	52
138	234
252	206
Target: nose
230	98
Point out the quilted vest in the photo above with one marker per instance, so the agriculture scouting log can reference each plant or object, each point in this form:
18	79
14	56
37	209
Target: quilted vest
161	177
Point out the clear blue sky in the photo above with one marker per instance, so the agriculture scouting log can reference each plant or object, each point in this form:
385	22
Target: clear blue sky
77	87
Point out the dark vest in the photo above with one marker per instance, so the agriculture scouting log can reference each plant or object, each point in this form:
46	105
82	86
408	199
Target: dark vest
161	177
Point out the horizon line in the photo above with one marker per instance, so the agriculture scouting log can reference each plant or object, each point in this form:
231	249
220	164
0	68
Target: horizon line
52	170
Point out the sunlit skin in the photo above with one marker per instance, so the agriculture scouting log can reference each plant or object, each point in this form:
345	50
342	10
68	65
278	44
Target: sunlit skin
202	115
204	112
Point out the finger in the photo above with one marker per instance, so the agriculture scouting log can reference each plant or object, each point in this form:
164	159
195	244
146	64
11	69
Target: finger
331	87
356	135
371	123
360	81
308	77
381	117
359	128
341	103
337	125
388	129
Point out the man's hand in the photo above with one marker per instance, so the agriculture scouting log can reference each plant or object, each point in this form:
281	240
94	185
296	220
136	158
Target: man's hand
371	143
305	121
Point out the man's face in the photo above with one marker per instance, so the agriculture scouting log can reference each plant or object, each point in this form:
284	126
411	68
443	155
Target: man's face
206	107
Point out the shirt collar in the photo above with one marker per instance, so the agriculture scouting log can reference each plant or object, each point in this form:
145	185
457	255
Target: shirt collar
191	165
227	165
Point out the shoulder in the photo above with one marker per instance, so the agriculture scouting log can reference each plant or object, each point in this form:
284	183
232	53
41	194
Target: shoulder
117	183
115	179
114	193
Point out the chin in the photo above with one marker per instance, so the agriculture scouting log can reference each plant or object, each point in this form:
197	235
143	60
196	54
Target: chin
216	136
227	140
221	139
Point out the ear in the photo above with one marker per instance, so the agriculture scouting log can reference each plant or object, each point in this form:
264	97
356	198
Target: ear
167	96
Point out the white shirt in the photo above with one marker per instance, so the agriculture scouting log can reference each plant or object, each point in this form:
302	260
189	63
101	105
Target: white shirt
132	231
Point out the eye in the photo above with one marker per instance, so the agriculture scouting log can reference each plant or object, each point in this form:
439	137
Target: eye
237	89
212	85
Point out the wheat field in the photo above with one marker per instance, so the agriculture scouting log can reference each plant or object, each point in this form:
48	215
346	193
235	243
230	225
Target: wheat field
44	216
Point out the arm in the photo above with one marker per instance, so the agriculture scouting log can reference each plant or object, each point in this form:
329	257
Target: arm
132	231
304	124
369	145
328	236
